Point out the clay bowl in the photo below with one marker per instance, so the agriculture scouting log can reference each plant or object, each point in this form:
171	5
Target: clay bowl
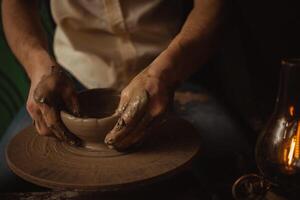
97	118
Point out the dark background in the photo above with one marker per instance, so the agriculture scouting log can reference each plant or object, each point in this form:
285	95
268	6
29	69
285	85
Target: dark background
244	72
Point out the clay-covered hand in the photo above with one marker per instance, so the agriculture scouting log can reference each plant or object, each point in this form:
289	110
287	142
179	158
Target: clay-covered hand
54	91
144	99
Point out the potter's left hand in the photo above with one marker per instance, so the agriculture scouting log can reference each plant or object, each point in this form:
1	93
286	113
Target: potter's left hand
144	99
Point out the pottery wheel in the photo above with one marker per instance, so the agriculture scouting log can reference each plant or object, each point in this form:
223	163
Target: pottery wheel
53	164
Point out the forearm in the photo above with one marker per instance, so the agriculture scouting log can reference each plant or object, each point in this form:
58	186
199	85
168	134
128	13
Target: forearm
25	36
192	46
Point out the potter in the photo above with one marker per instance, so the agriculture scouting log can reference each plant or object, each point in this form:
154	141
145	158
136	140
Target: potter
137	59
144	50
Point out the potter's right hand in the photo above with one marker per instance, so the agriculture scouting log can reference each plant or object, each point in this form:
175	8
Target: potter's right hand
49	93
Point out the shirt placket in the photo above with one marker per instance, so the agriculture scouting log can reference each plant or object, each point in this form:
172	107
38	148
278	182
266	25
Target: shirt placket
126	48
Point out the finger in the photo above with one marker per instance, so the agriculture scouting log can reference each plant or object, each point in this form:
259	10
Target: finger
32	109
49	115
135	137
42	128
41	92
37	118
133	113
71	101
60	129
46	92
53	121
122	104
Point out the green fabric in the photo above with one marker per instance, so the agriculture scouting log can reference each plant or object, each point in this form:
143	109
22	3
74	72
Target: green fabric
14	83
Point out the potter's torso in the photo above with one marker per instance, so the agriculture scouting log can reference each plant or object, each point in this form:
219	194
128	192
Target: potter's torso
104	43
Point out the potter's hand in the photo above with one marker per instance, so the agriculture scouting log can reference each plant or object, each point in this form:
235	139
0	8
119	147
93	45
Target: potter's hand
145	98
47	96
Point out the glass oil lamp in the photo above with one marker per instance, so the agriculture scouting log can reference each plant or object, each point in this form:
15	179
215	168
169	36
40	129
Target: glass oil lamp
277	150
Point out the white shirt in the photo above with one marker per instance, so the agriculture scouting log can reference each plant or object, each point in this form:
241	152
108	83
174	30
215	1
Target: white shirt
105	43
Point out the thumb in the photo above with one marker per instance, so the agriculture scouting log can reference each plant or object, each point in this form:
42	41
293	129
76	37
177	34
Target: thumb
71	101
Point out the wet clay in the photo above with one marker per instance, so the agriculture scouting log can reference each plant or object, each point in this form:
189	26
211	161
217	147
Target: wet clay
184	98
97	117
47	162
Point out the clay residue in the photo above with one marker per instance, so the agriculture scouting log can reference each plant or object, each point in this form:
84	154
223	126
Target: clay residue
187	97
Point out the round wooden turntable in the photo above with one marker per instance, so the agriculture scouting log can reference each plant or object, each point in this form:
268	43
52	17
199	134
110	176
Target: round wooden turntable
48	162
